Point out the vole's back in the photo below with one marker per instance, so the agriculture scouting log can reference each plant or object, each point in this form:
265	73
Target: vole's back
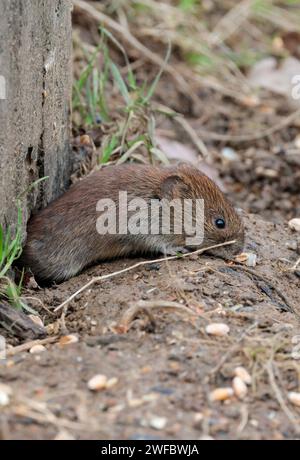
62	239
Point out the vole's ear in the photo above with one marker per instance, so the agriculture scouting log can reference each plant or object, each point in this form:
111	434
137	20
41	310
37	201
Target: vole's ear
173	187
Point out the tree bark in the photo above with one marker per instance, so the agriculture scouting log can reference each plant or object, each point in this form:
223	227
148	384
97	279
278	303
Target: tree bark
35	94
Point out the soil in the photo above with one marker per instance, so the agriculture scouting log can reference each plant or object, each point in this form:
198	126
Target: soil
166	371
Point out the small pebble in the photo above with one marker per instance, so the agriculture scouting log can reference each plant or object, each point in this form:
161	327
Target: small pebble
294	398
294	224
243	374
229	154
266	172
221	394
98	382
218	329
292	245
239	387
37	349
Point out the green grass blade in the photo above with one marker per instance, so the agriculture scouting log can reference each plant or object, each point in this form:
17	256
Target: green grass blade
120	83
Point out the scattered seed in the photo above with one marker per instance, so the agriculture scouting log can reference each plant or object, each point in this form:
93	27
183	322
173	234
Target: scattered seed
221	394
68	339
247	258
64	436
294	398
243	374
37	349
5	393
6	389
266	172
98	382
218	329
297	141
239	387
4	398
111	382
135	402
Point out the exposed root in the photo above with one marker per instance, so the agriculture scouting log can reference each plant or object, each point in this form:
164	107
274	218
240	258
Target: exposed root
146	307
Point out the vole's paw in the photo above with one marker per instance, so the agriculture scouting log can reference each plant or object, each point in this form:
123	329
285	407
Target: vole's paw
174	251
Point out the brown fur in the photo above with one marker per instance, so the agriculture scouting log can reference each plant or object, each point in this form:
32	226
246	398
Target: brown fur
62	238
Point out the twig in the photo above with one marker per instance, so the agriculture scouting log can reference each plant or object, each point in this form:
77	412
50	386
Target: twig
250	137
294	267
279	396
185	126
132	267
193	135
26	346
244	419
40	413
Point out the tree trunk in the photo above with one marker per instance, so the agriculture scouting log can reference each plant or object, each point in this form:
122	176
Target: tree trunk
35	94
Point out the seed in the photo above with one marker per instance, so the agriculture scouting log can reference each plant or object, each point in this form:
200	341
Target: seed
4	399
239	387
221	394
68	339
37	349
5	393
294	398
218	329
97	383
247	258
111	382
243	374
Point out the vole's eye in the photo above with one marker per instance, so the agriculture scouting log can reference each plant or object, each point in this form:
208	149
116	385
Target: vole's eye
220	223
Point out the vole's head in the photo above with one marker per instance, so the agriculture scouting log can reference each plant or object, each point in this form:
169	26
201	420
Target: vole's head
222	223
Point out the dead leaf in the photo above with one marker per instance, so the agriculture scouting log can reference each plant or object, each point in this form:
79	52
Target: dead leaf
267	74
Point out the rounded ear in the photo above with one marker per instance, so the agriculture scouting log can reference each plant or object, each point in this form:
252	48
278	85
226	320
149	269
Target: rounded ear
173	187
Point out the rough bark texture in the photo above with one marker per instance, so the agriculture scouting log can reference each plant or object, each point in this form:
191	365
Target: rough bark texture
35	60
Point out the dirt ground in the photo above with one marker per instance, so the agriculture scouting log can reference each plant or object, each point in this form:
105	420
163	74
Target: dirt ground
166	371
163	369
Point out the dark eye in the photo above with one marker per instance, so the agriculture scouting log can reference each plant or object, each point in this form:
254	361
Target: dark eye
220	223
